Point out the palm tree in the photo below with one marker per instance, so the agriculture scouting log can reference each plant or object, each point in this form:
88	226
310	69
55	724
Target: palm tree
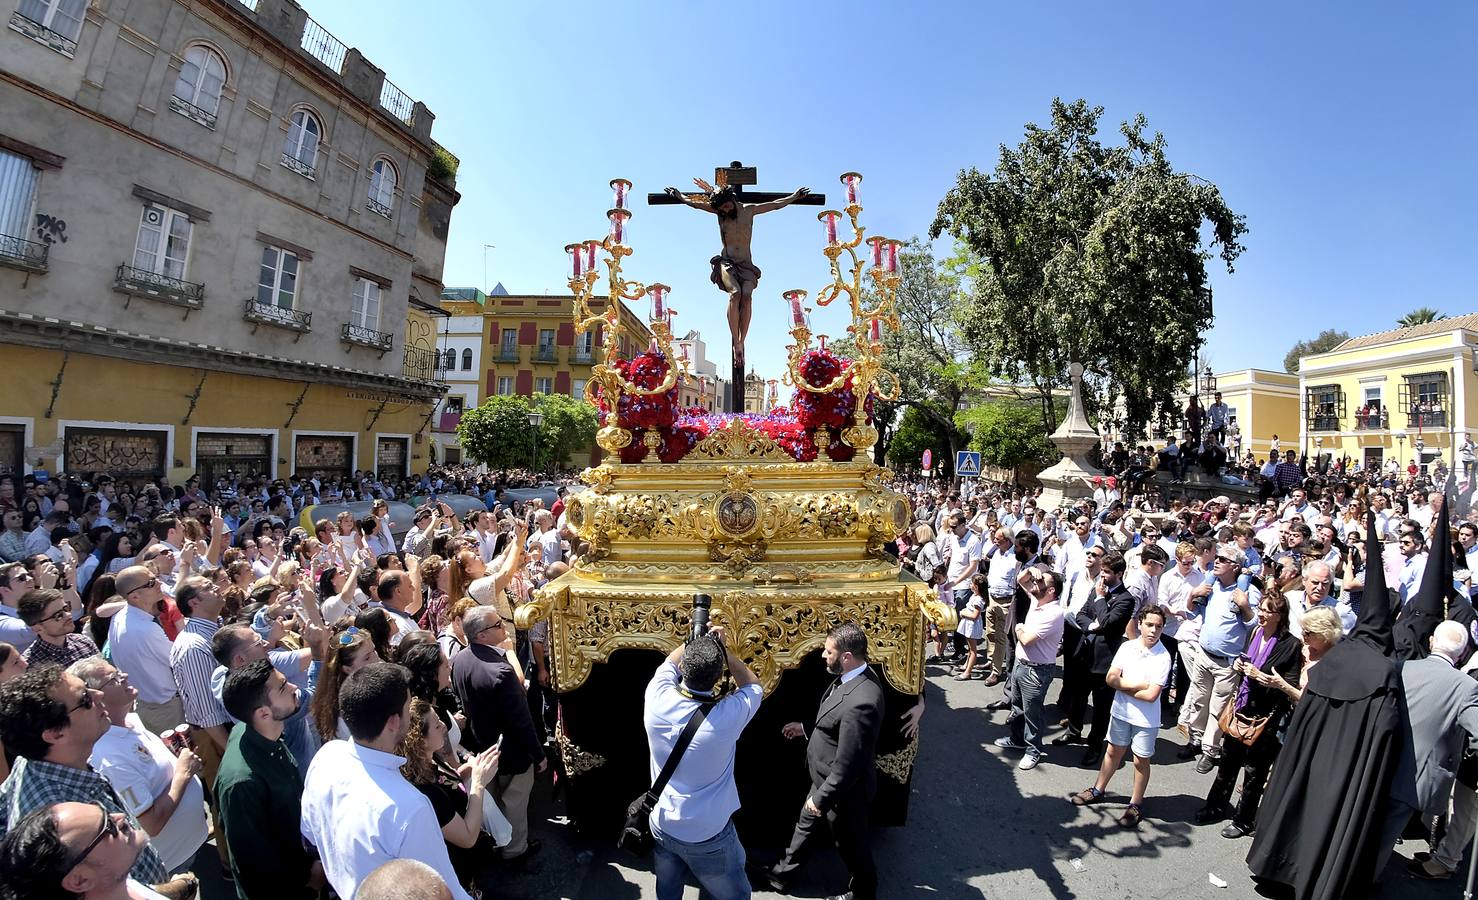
1419	316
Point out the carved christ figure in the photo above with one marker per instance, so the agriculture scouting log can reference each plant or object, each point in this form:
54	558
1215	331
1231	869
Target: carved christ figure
734	270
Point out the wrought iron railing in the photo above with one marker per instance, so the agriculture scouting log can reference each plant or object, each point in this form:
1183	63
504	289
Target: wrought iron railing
1324	422
302	167
397	102
369	337
267	314
138	282
323	46
38	32
544	354
1372	421
192	112
421	362
583	357
507	355
22	254
377	207
1431	418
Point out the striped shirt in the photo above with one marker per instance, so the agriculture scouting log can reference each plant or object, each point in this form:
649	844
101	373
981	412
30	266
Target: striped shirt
191	665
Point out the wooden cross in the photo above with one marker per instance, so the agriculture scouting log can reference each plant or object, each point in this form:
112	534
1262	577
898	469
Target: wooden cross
738	176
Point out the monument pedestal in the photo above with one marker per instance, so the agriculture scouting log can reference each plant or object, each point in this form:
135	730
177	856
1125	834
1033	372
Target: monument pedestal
1071	478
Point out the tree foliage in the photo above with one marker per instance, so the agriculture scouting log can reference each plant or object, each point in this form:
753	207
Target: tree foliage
1419	316
1008	433
1089	253
917	432
497	433
1327	340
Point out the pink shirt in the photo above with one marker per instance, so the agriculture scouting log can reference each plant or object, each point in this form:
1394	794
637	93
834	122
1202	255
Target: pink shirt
1045	621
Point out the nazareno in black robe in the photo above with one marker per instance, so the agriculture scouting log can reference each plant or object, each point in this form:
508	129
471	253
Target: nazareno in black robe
1319	826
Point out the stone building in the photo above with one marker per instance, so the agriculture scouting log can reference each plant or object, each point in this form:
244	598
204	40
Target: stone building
221	243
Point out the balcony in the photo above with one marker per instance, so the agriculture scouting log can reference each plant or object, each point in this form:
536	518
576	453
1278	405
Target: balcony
421	363
1372	421
135	282
508	354
447	422
582	357
43	35
366	337
278	317
301	167
377	207
1323	422
544	354
28	256
1427	418
192	112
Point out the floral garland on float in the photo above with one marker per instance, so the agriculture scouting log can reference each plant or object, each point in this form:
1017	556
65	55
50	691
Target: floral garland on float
638	399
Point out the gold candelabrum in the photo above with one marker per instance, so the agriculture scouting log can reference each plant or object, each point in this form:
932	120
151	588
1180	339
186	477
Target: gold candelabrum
866	369
584	275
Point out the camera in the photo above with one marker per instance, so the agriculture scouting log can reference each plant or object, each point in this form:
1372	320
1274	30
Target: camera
701	605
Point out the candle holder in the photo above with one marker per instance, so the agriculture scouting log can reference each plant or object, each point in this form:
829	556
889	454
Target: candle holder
866	372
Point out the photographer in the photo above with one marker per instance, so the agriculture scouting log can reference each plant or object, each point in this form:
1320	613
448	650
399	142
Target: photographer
692	822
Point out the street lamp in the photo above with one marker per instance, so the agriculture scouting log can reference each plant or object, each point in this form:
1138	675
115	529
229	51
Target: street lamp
1400	445
535	420
1419	445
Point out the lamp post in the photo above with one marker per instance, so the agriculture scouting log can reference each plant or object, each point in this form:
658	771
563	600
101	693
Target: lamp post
1419	445
1318	452
535	420
1400	446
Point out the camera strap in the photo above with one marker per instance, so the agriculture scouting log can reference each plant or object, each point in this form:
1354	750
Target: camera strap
678	749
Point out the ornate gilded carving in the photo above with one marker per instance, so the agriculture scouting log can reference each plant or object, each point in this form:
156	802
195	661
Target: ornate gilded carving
898	764
612	439
737	514
737	441
577	761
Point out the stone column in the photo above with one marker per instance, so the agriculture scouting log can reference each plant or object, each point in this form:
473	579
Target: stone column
1071	477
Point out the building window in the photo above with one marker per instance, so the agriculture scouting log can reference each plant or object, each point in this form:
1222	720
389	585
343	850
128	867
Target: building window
510	340
163	244
577	389
448	360
382	187
277	281
300	150
17	193
1326	406
454	405
505	385
364	311
61	17
1424	400
198	88
467	359
543	385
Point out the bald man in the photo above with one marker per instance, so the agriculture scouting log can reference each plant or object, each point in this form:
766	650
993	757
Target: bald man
403	879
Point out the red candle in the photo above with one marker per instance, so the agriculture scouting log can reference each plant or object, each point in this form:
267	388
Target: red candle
797	315
831	228
659	311
590	248
877	251
892	264
574	251
618	225
852	180
821	339
875	330
620	186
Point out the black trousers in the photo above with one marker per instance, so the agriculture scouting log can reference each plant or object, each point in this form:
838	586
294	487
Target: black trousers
848	824
1253	763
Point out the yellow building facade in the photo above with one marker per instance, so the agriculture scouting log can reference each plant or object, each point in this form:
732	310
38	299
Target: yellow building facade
1409	393
531	346
1265	406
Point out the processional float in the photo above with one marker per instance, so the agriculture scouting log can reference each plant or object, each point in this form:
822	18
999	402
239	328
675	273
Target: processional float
782	518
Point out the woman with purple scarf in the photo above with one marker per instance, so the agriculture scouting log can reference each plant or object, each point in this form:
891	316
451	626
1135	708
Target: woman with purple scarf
1271	651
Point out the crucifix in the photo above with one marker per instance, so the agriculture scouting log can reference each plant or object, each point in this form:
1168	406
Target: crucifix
734	271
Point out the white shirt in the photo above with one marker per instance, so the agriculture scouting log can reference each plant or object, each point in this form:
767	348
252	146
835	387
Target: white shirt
1077	587
1422	515
1140	665
550	551
14	630
139	647
1001	573
1073	551
1302	511
486	541
1142	587
961	554
360	812
1174	590
1298	605
140	768
701	796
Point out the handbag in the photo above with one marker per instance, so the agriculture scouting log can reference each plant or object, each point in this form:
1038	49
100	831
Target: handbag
494	822
636	834
1246	729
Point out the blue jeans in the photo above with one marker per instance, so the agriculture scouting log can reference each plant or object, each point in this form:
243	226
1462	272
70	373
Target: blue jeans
1029	685
717	864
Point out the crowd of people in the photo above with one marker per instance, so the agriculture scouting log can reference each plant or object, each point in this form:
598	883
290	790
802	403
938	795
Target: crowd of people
1216	618
188	669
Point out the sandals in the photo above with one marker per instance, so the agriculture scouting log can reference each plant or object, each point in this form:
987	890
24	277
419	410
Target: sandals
964	676
1087	796
1131	817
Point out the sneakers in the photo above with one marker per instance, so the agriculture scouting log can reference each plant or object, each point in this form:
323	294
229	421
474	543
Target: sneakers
1206	763
1009	743
1029	761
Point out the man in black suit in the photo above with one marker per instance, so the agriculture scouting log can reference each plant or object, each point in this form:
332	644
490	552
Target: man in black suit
489	683
841	756
1100	629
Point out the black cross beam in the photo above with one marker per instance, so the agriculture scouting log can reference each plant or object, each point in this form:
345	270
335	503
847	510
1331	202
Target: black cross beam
737	175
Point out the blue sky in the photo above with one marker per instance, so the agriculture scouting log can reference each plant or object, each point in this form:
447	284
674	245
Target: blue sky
1344	132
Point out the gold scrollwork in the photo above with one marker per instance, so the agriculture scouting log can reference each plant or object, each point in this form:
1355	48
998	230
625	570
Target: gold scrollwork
735	440
577	761
898	764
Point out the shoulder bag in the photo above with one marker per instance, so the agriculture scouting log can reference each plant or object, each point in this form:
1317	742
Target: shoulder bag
636	834
1246	729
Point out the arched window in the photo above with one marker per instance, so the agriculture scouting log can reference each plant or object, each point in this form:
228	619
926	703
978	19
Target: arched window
449	360
382	187
300	150
202	77
466	359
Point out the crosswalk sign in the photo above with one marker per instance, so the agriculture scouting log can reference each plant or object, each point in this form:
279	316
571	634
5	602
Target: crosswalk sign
967	464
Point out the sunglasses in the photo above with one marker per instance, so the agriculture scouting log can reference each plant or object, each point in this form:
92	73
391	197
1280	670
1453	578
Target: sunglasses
152	582
498	624
109	828
86	702
346	637
60	615
1223	559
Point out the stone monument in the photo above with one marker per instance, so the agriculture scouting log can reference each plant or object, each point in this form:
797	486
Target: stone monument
1071	478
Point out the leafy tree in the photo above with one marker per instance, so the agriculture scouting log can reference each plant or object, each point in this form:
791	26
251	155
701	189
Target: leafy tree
1327	340
1008	433
1088	253
1419	316
497	432
919	431
568	425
